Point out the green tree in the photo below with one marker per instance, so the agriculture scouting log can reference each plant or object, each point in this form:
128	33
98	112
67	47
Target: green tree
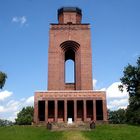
3	77
118	116
131	79
5	122
25	116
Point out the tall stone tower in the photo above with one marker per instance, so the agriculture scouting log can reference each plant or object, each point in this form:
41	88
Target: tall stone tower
70	39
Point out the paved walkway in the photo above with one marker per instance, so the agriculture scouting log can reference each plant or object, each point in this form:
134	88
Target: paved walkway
73	135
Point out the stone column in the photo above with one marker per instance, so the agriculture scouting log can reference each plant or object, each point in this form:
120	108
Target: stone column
94	110
56	110
104	110
36	112
85	111
75	110
65	111
46	111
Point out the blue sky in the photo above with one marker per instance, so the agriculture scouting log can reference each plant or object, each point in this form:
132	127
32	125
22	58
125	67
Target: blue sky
24	27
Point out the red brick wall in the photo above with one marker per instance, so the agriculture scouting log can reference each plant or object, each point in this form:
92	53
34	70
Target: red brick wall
68	17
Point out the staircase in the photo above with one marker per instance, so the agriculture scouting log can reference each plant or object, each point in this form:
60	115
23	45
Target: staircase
74	126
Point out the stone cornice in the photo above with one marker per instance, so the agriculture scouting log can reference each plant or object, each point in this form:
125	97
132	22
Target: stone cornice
70	95
70	27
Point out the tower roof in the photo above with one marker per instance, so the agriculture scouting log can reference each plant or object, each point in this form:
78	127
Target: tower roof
69	9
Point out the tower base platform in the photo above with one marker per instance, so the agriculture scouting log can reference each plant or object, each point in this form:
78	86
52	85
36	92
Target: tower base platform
69	107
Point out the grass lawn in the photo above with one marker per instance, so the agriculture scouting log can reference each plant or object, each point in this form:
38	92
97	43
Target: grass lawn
102	132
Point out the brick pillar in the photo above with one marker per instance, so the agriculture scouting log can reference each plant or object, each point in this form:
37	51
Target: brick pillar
94	110
56	110
85	111
36	112
46	111
104	111
65	111
75	110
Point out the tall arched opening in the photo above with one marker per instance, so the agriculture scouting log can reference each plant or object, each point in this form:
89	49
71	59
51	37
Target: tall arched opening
70	49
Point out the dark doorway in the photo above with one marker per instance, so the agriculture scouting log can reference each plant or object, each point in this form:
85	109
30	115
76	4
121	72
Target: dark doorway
61	110
41	110
99	109
70	110
80	110
51	109
89	107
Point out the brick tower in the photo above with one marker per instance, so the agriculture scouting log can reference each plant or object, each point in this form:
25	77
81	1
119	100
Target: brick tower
70	39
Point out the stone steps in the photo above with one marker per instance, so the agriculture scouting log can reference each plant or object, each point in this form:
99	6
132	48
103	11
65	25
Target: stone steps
73	126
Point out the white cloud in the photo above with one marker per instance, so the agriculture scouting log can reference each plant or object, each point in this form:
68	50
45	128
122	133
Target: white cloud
15	19
5	94
103	89
1	108
114	92
117	103
30	100
21	20
115	98
9	108
94	83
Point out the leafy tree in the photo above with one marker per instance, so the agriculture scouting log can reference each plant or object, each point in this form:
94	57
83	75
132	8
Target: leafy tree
118	116
25	116
131	79
5	122
133	115
3	77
